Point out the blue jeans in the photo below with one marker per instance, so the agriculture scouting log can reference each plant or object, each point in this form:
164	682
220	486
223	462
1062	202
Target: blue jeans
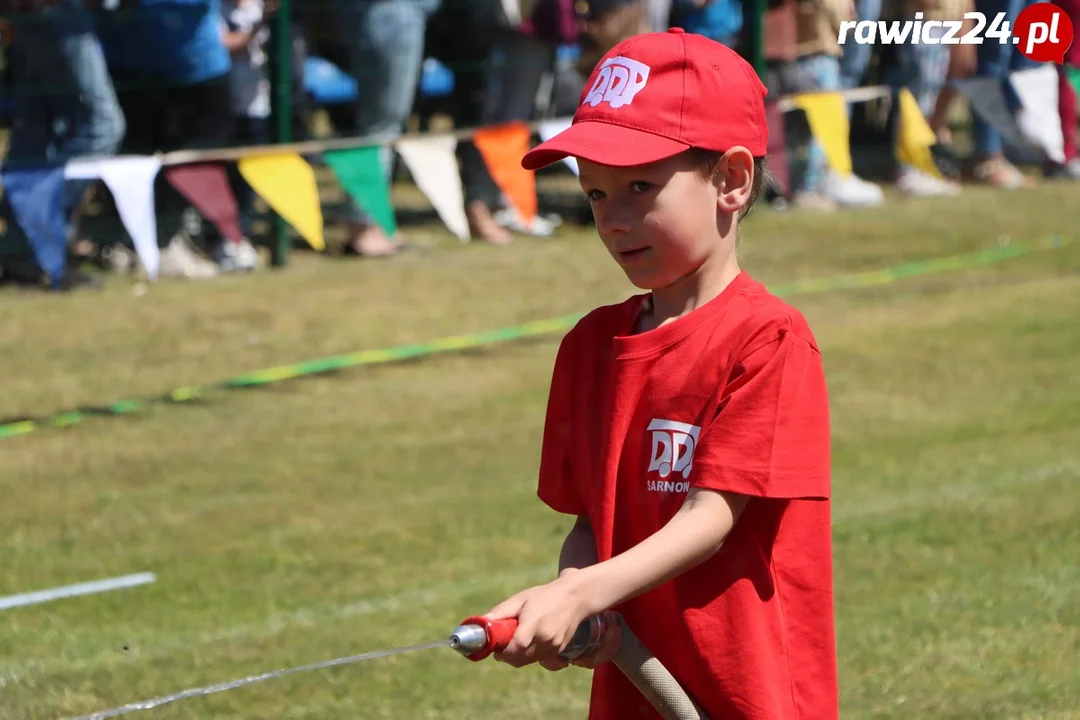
387	52
856	57
997	60
64	103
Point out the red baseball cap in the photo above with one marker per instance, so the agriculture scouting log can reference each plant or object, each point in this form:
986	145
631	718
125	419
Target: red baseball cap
658	94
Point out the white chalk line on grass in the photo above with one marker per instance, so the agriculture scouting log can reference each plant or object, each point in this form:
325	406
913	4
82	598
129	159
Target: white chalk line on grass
68	591
946	495
277	623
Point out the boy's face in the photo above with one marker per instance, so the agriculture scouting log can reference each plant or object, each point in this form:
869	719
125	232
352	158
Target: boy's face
658	221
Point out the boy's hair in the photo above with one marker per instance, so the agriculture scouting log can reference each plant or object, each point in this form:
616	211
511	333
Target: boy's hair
706	161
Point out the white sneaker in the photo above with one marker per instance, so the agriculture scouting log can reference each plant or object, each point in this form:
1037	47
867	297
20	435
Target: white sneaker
236	256
852	191
180	259
542	225
913	181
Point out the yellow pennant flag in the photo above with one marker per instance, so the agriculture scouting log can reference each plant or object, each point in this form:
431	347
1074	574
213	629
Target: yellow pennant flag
287	183
915	138
827	114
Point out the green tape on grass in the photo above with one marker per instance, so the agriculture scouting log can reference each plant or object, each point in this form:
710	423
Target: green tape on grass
537	328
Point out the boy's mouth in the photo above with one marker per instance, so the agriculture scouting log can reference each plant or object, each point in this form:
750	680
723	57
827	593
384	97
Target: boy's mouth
634	254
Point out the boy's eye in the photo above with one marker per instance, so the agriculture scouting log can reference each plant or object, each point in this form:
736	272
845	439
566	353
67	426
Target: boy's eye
641	186
594	195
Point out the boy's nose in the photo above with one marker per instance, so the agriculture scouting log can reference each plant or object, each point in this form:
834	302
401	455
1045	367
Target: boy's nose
613	220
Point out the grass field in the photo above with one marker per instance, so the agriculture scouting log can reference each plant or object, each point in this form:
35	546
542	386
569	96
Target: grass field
378	507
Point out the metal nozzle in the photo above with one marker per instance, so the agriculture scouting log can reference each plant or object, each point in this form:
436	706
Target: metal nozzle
467	639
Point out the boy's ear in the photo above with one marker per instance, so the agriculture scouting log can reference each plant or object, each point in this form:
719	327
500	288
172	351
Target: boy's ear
734	179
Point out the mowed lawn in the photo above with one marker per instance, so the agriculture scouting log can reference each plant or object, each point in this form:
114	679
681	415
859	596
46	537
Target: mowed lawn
378	507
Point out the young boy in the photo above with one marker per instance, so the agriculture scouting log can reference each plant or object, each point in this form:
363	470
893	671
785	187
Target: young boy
688	427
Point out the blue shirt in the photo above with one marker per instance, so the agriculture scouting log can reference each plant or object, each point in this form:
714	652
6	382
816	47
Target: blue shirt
177	40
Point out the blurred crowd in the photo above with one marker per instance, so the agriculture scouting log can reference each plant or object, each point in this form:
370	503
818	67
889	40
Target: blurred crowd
92	78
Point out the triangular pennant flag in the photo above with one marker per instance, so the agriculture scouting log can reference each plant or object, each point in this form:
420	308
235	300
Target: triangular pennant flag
915	138
206	186
434	167
287	183
362	175
777	149
36	198
987	98
1039	119
550	129
502	147
131	182
827	114
83	169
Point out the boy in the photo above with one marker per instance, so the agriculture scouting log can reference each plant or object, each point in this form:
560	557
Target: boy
687	428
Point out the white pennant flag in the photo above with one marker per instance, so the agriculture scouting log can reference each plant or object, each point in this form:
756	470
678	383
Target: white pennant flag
550	129
1038	118
434	167
130	179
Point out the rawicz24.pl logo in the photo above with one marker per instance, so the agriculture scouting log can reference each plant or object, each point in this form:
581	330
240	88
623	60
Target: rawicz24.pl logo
1042	31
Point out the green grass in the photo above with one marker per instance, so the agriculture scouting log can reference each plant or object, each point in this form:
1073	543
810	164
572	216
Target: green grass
378	507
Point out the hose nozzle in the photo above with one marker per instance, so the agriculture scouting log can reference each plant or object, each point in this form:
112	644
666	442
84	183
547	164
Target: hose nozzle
478	637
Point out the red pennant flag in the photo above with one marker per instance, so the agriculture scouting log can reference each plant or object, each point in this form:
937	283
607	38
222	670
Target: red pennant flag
206	186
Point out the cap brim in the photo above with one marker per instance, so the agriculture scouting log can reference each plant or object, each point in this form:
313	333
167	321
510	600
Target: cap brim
605	144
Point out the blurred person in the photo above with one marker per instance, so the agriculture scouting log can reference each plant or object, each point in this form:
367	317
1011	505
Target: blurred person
923	68
64	103
963	60
385	41
245	34
1067	99
497	77
174	82
998	60
817	65
719	20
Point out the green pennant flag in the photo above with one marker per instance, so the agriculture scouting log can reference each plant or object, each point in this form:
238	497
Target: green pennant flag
360	172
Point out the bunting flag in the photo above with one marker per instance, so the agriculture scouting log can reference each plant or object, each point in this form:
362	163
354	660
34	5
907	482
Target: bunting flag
827	115
36	198
915	138
206	186
363	176
987	98
434	167
1039	119
550	129
130	179
287	183
777	149
503	147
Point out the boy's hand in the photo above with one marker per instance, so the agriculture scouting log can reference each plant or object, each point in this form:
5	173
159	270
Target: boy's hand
610	643
547	615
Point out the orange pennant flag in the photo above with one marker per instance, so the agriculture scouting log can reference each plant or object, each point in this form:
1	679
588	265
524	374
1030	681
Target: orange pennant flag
502	147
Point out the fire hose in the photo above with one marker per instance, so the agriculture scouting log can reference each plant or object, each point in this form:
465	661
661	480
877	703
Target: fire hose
478	637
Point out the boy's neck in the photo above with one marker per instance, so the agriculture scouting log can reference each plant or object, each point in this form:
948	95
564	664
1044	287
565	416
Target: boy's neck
688	292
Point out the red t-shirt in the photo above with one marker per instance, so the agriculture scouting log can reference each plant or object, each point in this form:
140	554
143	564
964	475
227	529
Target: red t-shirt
731	396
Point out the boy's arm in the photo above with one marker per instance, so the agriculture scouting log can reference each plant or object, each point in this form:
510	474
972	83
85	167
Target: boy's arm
691	537
549	614
579	547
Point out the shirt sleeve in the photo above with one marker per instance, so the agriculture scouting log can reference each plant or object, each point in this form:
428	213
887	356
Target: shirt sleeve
557	484
770	436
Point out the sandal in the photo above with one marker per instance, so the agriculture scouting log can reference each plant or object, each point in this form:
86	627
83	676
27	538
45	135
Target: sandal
1000	173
